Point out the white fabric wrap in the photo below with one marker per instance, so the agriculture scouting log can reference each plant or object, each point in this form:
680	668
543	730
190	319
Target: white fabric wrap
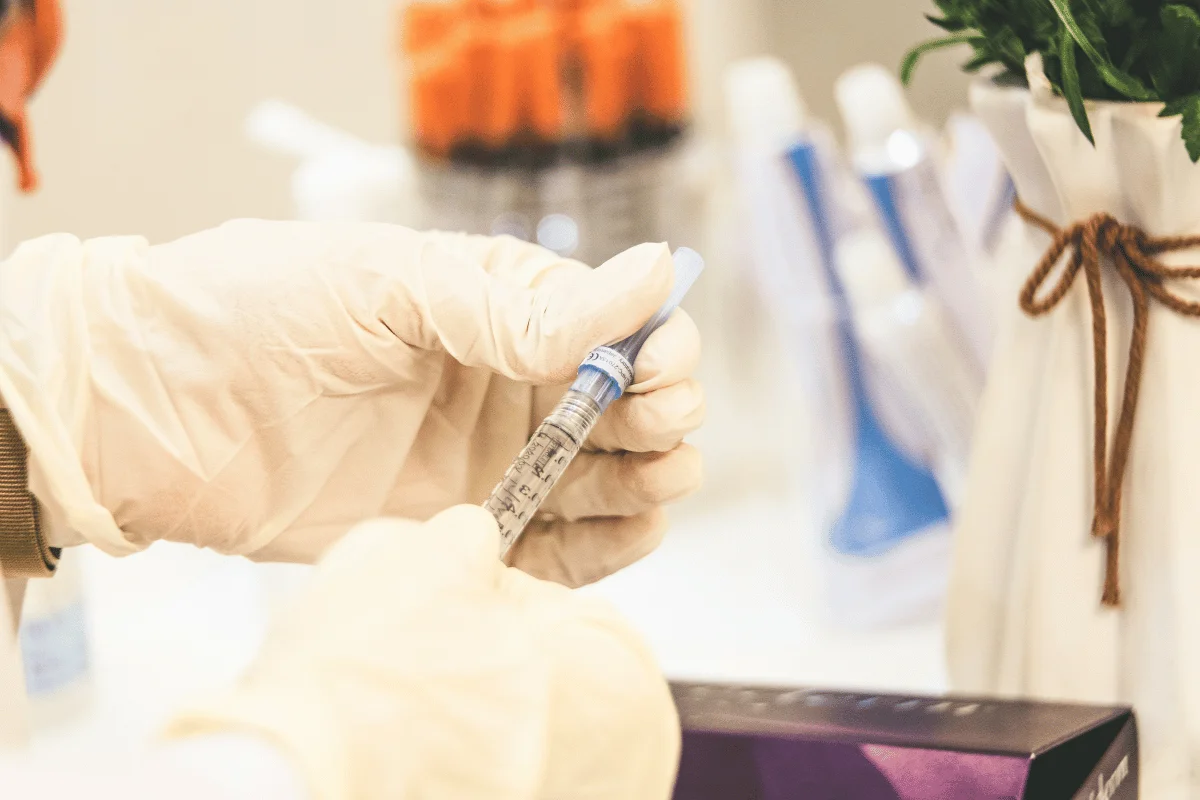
1025	613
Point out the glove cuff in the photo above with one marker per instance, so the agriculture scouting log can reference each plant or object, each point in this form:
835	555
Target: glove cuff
23	549
44	370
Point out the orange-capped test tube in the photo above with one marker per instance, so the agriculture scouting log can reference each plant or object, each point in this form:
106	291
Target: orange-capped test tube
494	75
537	52
605	59
439	99
427	24
502	9
661	53
570	16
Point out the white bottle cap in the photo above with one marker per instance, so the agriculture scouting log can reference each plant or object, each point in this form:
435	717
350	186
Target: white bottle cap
340	177
366	184
284	128
874	108
763	103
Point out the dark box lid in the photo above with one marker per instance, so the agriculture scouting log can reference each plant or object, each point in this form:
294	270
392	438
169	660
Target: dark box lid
1062	751
971	724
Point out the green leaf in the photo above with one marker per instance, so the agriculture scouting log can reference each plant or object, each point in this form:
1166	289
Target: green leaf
914	55
1070	88
978	62
952	25
1178	15
1007	43
1189	108
1137	49
1176	64
1176	107
1118	79
1116	12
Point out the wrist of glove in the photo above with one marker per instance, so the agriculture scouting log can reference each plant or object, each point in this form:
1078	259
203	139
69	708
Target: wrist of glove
417	665
261	387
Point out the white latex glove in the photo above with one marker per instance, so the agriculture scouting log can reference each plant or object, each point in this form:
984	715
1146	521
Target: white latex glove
261	387
415	665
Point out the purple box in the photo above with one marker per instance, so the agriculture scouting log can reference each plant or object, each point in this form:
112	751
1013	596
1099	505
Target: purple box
756	743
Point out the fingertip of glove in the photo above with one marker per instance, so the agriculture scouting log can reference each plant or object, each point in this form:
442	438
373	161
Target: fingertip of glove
645	268
468	523
682	473
639	279
610	302
569	316
671	354
521	586
470	534
656	524
460	541
649	253
691	464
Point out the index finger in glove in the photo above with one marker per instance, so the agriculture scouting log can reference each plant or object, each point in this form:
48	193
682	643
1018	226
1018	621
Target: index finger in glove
665	403
654	422
624	484
639	423
671	354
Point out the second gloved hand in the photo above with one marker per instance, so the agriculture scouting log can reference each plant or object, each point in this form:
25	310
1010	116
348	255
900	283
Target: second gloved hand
261	387
415	665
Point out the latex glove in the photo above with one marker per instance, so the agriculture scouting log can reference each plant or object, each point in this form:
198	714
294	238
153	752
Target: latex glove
416	665
261	387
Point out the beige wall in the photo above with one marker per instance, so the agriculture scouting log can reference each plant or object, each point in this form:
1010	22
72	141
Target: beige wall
139	128
821	38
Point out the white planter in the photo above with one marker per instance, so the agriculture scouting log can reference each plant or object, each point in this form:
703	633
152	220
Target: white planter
1026	616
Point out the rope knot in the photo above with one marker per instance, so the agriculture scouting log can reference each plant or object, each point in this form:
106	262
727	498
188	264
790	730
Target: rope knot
1109	234
1086	246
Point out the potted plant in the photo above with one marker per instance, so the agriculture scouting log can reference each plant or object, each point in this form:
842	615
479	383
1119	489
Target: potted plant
1087	451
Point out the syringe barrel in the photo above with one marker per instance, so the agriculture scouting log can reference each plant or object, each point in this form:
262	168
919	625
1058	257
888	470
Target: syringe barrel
524	487
603	377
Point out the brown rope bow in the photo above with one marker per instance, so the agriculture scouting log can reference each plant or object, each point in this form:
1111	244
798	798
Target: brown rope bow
1131	252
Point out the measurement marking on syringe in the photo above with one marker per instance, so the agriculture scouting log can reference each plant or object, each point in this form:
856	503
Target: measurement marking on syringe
549	452
531	477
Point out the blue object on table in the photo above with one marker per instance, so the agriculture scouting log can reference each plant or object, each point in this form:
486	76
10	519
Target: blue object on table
891	497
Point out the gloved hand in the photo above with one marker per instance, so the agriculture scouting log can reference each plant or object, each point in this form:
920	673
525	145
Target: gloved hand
261	387
416	665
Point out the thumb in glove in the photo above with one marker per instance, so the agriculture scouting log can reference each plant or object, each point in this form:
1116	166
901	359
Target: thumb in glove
531	317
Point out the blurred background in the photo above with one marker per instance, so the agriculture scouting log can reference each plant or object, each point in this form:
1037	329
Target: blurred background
841	372
140	126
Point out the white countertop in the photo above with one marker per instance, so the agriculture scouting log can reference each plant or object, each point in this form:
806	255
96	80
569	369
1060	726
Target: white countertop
731	595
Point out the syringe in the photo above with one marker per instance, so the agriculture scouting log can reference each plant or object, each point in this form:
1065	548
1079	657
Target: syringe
603	377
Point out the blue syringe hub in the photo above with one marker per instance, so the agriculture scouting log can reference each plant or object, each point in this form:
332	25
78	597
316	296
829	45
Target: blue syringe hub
608	371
